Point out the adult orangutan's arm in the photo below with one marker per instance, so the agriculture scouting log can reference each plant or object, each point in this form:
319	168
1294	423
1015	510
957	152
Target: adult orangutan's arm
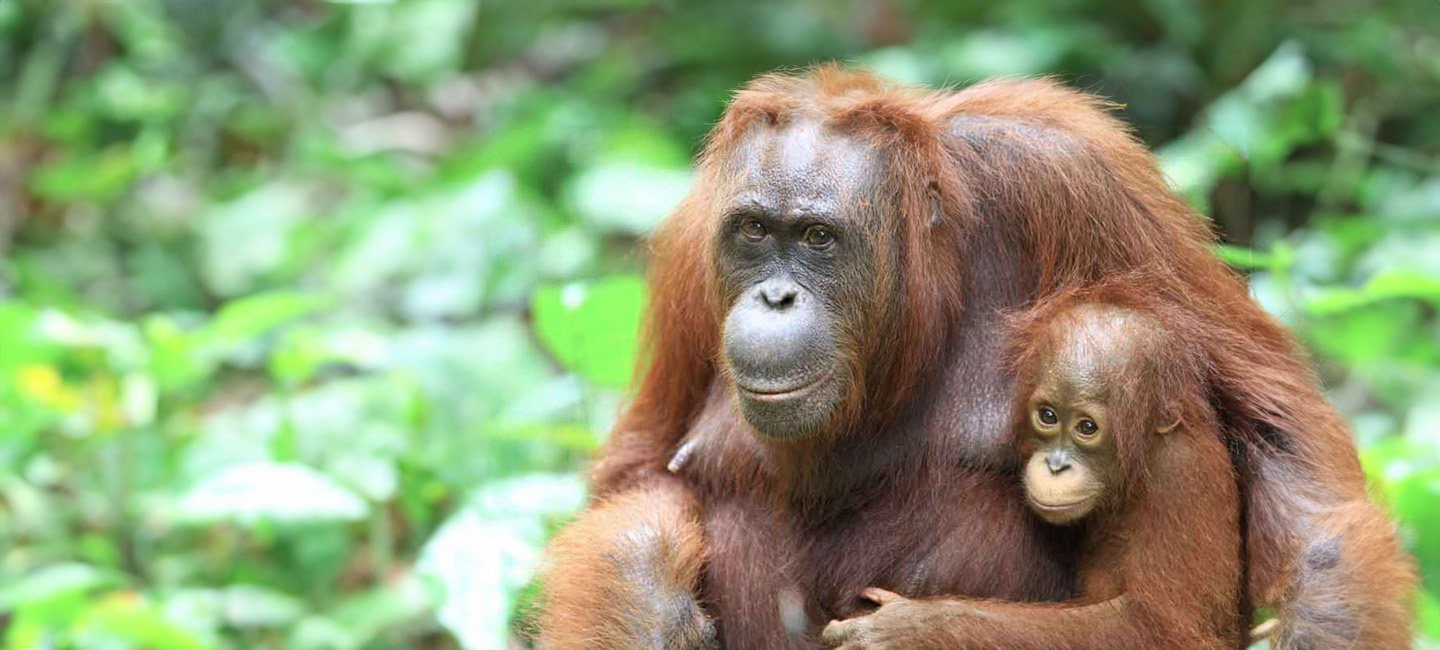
1328	562
1320	553
625	575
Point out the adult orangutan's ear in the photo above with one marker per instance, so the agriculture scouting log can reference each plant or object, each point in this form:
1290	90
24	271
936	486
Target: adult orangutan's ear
937	207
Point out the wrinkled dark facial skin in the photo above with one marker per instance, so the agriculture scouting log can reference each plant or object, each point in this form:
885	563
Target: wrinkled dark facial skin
796	255
1073	466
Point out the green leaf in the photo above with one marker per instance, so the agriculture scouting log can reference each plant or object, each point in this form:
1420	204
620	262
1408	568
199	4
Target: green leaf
303	350
1404	284
254	606
625	196
246	319
1342	330
1427	610
593	328
175	358
369	614
20	330
127	616
1408	476
85	177
1387	285
1243	258
249	240
995	52
54	581
483	556
270	491
1197	161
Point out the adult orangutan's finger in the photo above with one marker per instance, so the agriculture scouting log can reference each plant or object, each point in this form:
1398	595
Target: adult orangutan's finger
880	596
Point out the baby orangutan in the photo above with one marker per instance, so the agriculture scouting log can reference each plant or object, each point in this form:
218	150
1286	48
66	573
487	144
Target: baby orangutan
1105	382
1117	439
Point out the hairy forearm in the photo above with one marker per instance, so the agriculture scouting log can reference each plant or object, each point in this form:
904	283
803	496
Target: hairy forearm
624	575
1348	584
962	624
1327	561
1023	626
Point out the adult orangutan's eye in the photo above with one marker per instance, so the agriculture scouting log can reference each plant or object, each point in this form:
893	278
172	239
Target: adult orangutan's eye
819	237
753	230
1047	416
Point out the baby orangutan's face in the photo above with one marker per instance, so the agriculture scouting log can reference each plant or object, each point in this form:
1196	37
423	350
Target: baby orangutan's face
1069	472
1072	465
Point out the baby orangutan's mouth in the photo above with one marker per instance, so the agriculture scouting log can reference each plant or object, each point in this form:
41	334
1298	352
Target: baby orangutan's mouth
1059	508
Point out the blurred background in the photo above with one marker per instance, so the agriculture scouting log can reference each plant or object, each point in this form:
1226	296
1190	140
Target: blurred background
312	312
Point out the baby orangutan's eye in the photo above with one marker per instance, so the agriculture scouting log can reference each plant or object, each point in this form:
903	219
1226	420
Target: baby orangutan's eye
1087	428
1047	416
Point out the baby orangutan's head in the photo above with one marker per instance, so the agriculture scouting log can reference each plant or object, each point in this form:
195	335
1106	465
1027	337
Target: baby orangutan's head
1090	373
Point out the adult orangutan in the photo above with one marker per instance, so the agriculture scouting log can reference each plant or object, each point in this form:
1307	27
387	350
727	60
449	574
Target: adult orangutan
827	312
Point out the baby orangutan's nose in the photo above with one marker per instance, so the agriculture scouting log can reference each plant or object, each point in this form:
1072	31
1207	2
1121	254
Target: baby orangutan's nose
1057	461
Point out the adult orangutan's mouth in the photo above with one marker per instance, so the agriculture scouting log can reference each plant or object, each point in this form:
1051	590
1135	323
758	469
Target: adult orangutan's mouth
782	394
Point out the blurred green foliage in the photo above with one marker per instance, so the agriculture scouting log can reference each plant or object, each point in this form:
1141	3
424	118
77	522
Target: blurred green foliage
311	312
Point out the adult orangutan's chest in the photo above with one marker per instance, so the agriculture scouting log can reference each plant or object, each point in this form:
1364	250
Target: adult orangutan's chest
969	535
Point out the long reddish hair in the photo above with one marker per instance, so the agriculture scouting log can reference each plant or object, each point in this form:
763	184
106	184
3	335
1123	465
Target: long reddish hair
1049	164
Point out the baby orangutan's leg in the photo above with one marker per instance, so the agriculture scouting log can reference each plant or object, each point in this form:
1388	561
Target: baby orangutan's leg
625	575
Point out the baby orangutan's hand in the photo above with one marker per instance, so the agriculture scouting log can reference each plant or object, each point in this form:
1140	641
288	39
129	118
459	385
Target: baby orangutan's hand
899	623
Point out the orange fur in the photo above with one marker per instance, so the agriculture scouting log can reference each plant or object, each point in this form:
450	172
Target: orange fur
1167	544
640	552
1002	194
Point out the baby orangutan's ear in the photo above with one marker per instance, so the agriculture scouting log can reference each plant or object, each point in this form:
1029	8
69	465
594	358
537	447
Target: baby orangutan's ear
1171	415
